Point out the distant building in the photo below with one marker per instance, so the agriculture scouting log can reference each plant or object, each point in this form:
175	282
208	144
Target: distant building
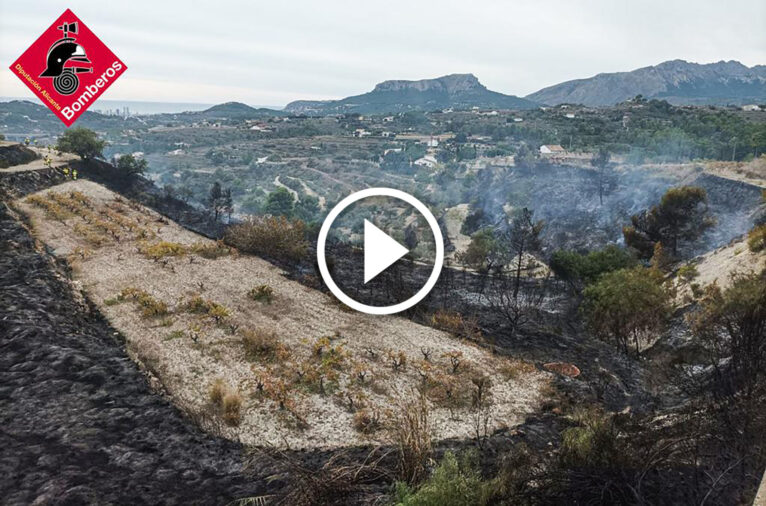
518	120
570	115
751	107
552	149
426	161
433	143
388	119
361	132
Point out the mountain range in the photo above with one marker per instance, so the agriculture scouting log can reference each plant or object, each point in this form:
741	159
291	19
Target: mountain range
677	81
460	91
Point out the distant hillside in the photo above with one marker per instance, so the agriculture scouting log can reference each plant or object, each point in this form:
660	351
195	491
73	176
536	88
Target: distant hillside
461	91
677	81
236	110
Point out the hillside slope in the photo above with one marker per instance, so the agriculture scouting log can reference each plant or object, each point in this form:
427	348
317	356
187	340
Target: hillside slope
677	81
303	366
460	91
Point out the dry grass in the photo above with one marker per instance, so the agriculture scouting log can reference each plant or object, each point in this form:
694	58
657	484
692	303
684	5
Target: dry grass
410	429
263	345
367	421
227	403
217	392
455	323
231	408
513	369
150	307
262	293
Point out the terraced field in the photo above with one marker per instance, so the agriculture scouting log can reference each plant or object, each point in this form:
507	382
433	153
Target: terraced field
259	357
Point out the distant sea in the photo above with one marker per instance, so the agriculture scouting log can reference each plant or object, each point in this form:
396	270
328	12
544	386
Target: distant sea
138	107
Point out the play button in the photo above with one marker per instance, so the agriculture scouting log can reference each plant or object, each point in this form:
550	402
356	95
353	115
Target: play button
381	251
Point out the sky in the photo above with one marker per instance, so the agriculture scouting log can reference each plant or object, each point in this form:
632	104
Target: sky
270	53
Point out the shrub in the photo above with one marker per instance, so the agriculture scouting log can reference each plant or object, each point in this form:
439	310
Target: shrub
264	345
455	359
454	323
453	483
576	268
217	392
410	430
232	404
627	305
90	235
211	251
209	308
162	249
398	359
512	369
756	238
274	237
262	293
150	306
52	209
366	421
592	443
688	272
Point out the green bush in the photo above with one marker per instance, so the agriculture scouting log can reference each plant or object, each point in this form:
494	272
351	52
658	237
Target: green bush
627	305
575	267
593	443
453	483
81	141
688	272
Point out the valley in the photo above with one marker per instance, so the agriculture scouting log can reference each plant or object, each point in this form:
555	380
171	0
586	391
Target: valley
598	260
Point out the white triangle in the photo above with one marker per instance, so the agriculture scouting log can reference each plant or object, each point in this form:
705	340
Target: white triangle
380	251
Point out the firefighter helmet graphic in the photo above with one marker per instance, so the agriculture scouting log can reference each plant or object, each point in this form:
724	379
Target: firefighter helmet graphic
66	58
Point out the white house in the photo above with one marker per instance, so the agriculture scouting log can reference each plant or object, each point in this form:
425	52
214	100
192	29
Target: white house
433	143
751	107
552	149
427	161
518	120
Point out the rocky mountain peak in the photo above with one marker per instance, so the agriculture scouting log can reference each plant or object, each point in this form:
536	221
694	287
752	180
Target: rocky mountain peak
451	84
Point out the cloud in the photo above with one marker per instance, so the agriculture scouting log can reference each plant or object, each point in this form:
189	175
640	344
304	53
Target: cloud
274	52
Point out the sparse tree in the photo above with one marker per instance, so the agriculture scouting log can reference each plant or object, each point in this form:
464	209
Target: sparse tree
280	202
523	239
83	142
681	215
627	306
601	162
219	200
129	166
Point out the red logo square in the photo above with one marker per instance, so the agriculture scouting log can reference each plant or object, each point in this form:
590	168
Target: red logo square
68	67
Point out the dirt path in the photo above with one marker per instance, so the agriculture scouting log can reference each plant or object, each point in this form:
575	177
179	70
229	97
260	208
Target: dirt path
57	161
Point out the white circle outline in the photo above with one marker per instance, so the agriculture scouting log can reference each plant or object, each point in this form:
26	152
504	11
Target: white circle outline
380	192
